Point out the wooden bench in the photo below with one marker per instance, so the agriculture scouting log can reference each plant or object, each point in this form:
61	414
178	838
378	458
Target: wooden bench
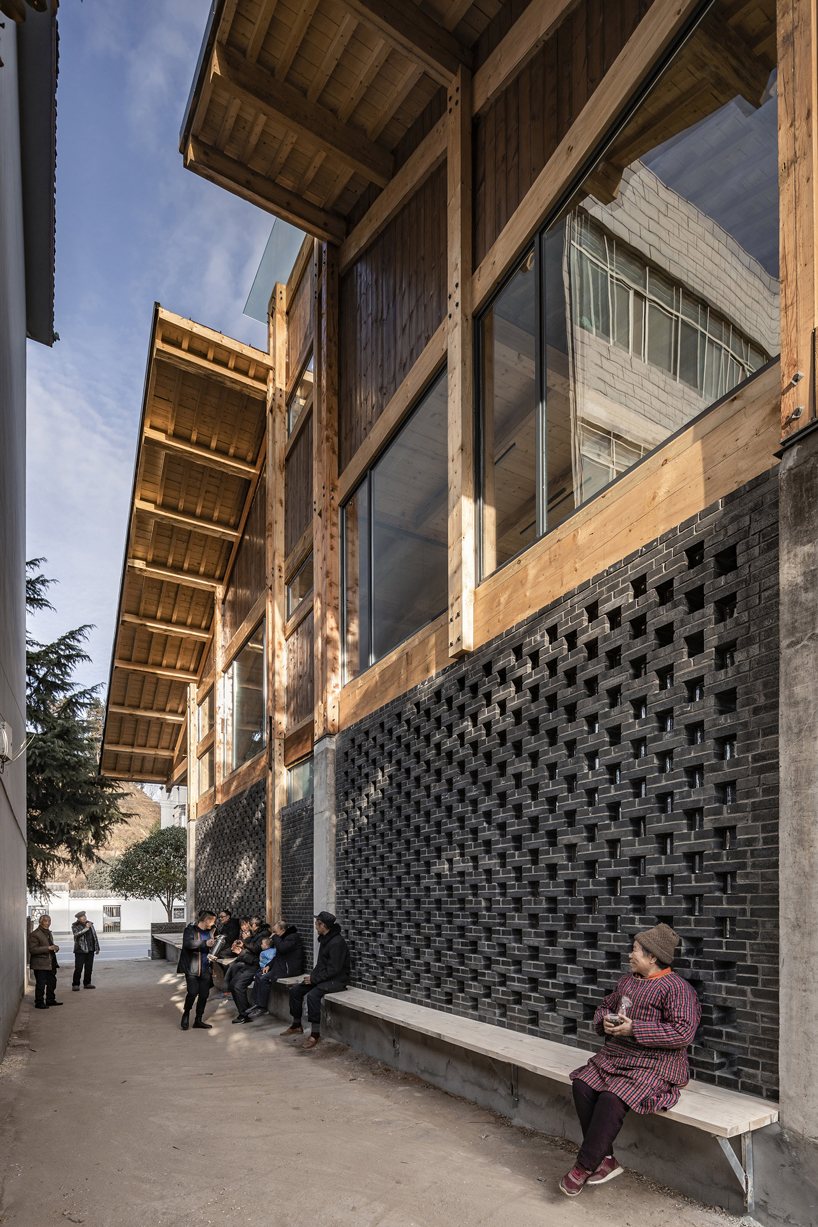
722	1113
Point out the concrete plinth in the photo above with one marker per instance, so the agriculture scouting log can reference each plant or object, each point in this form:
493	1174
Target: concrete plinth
324	827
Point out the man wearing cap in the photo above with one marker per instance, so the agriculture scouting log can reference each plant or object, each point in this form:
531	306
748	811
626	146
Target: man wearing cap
329	975
648	1021
86	946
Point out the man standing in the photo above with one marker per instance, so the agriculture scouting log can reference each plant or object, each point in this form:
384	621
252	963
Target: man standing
43	962
85	947
331	974
194	964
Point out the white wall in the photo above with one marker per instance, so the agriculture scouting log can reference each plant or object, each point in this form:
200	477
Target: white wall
12	539
136	914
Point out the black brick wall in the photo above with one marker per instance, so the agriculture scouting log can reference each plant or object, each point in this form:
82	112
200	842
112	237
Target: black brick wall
231	843
505	828
297	867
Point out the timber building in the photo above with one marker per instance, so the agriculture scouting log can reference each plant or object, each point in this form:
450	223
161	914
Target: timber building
480	607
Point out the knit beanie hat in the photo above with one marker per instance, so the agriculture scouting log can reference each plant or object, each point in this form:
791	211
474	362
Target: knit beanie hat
660	942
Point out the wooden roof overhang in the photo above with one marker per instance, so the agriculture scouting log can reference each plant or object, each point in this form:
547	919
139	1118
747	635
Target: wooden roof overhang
298	105
199	457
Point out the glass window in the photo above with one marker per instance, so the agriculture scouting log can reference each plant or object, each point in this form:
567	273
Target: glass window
300	397
654	297
299	781
395	538
206	714
245	702
206	771
300	586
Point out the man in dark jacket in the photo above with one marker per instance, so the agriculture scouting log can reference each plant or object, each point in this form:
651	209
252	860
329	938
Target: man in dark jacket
330	974
246	966
194	965
288	961
86	946
42	954
229	928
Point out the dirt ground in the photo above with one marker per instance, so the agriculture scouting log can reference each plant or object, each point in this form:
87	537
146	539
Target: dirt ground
113	1116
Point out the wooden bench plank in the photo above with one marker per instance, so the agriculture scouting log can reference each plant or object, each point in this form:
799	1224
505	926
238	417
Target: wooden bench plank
713	1109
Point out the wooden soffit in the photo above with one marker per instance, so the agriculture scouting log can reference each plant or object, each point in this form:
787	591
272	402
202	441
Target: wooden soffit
199	457
299	108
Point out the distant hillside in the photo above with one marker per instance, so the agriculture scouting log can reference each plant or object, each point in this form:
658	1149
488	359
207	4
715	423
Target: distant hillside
141	814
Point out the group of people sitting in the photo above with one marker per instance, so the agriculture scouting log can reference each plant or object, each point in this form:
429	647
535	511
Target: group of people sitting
250	958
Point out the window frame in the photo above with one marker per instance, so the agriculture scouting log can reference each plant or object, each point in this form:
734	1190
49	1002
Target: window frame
560	209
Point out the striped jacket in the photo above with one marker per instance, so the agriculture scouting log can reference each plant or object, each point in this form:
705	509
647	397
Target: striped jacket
648	1069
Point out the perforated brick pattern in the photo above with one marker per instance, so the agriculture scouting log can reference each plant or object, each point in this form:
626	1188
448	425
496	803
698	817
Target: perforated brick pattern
231	854
505	828
297	867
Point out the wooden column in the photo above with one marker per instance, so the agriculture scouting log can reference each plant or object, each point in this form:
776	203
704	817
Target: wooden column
218	694
460	366
797	25
192	799
326	551
276	596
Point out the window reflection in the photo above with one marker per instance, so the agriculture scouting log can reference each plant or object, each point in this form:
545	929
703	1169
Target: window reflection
300	781
206	771
245	701
658	291
205	715
300	586
395	538
301	396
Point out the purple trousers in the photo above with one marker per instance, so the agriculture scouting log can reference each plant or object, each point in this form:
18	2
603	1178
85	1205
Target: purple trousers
601	1114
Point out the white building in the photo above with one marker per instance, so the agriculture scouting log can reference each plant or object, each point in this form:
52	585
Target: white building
109	912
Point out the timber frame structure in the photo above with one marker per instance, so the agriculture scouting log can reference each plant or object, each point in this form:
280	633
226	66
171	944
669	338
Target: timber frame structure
425	156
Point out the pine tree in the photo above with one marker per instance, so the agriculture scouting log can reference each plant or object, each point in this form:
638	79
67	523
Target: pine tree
71	808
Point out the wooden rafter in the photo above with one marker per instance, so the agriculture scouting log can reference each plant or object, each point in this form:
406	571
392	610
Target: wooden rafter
265	16
140	751
296	35
200	455
175	675
172	575
181	520
166	628
259	190
418	37
314	123
188	361
146	713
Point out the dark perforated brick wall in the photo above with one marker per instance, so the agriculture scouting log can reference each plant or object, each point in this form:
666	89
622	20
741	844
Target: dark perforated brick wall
505	828
297	867
231	843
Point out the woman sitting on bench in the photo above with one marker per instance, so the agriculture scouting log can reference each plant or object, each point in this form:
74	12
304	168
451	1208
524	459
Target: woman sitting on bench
648	1021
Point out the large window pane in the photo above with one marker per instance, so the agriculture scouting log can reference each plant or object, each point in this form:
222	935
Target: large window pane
658	292
300	586
509	463
247	701
395	538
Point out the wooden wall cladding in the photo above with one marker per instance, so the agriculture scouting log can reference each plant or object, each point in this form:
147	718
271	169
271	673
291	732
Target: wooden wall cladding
300	319
298	487
391	302
300	673
516	135
247	579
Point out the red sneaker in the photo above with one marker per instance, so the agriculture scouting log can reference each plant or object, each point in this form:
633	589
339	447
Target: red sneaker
608	1168
572	1183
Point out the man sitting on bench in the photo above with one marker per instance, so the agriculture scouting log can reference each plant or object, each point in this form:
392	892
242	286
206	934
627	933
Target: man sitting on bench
330	975
648	1021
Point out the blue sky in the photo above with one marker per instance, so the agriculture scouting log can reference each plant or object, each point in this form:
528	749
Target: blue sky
133	227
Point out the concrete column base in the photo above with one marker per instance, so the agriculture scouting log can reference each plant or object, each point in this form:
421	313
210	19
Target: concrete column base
323	827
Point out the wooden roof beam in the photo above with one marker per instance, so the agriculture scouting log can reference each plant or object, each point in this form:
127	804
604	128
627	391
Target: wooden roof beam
166	628
235	177
187	361
213	337
137	776
263	19
175	675
185	521
199	454
286	104
146	713
418	37
142	751
171	575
